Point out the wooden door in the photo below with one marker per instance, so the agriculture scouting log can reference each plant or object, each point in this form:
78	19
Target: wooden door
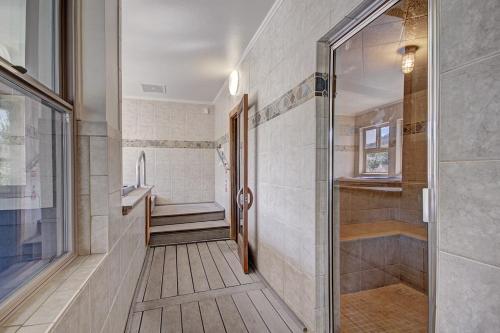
241	194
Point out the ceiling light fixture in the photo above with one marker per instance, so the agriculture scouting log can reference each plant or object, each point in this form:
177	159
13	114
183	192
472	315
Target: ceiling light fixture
233	82
408	58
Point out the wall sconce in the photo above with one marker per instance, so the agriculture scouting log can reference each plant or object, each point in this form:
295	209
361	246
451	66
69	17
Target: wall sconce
233	82
408	58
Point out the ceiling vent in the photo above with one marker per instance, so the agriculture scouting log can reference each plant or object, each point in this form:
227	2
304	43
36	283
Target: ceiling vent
154	88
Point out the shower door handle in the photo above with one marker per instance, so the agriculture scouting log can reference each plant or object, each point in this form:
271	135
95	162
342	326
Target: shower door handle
426	204
249	201
238	196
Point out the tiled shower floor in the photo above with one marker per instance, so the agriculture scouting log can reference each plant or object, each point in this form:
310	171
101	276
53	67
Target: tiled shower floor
395	308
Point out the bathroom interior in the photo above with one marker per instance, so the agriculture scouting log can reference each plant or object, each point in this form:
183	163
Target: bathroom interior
380	170
249	166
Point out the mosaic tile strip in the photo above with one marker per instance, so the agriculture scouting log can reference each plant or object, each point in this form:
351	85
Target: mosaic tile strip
415	128
222	140
12	140
168	144
344	130
346	148
314	85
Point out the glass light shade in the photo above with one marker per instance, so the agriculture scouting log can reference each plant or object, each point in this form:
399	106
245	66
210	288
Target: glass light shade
408	62
233	82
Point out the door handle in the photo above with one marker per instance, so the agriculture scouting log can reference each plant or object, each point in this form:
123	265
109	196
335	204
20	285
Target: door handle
250	201
426	204
250	198
238	195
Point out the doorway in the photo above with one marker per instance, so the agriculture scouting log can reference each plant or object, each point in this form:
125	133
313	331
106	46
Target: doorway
241	194
380	173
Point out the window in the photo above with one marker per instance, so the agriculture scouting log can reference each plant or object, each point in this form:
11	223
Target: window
36	232
30	38
374	150
34	186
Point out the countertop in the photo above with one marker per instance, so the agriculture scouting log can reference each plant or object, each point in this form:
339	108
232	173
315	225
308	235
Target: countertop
130	200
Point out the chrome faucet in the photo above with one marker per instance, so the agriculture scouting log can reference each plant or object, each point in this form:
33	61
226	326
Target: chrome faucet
138	169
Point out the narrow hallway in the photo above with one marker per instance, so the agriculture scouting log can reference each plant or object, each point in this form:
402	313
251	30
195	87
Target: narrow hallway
200	287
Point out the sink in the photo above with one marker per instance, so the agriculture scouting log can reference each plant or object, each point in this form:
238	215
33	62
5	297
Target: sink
126	189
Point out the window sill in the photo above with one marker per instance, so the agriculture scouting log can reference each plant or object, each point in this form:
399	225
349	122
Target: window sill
41	310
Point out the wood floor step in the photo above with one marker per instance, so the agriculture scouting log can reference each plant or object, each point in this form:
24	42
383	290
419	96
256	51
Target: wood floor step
189	236
189	226
187	213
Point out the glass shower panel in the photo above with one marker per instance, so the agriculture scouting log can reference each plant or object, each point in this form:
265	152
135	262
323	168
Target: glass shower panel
380	169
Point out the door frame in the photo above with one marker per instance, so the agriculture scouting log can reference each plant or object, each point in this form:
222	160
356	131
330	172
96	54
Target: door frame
242	107
360	17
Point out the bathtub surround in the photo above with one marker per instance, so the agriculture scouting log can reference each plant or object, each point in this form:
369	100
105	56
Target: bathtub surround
179	143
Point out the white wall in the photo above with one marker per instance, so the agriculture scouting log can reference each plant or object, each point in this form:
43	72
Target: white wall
178	141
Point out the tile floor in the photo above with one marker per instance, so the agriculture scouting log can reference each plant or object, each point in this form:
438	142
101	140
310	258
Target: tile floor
394	308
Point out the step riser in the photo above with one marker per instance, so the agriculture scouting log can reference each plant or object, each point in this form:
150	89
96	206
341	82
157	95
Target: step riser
166	220
183	237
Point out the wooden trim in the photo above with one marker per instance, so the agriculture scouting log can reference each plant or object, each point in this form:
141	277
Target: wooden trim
244	241
147	222
232	174
241	110
63	51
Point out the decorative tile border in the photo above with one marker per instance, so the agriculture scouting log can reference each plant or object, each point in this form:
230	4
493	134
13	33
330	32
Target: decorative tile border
345	130
168	144
222	140
346	148
12	140
314	85
415	128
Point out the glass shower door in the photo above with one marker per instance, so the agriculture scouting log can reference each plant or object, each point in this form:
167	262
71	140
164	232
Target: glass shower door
379	171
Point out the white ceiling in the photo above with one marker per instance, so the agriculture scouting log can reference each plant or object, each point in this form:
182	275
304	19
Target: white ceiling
368	66
190	46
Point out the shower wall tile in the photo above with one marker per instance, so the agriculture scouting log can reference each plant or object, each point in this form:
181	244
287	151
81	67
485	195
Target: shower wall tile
178	145
161	120
413	277
469	297
381	261
179	175
470	210
462	39
470	127
98	155
468	270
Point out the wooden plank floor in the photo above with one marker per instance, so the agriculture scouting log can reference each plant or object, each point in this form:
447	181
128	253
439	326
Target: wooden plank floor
201	287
